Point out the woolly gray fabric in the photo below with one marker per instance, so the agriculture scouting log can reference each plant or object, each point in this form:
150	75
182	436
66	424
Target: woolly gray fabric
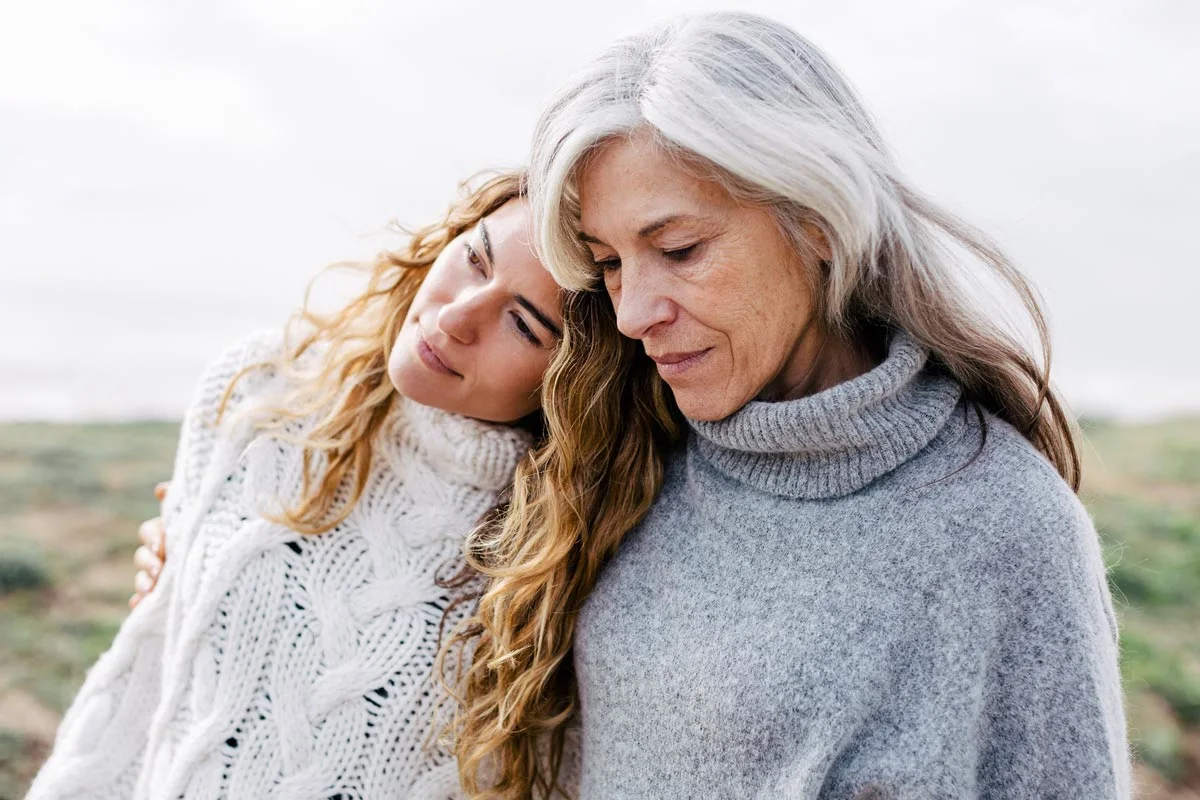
855	595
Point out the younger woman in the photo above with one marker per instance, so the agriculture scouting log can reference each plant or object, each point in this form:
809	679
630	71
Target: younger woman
322	487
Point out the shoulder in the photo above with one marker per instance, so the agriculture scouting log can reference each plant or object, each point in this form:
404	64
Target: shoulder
1015	486
209	416
1006	499
254	354
1009	526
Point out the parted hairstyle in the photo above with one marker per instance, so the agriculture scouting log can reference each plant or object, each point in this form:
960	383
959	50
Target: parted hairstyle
748	102
345	382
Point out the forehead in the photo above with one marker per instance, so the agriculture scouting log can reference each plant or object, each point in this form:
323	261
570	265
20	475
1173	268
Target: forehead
629	181
510	234
510	230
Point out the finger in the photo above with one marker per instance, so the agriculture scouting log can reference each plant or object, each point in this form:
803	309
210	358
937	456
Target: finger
143	583
147	562
161	551
134	599
160	490
150	532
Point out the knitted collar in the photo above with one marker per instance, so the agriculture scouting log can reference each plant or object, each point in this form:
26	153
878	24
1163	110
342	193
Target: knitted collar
837	441
460	449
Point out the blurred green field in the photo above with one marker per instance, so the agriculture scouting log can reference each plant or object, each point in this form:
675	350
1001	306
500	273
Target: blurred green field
71	497
1142	485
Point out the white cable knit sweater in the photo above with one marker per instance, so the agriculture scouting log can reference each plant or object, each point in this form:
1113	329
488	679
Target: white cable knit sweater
268	664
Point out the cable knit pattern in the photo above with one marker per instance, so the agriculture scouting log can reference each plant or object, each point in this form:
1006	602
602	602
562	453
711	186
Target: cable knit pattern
269	664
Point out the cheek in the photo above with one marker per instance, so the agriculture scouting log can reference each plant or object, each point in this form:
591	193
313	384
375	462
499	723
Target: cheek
522	374
759	310
726	302
403	346
512	381
785	313
402	371
442	282
612	284
430	289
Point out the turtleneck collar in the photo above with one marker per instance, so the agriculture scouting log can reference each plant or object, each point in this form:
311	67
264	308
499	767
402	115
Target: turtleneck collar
461	449
835	442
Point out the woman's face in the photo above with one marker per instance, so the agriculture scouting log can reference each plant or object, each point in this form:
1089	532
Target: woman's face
483	326
712	288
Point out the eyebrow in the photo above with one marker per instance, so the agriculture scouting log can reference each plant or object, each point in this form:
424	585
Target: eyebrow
655	227
487	241
539	316
647	230
521	299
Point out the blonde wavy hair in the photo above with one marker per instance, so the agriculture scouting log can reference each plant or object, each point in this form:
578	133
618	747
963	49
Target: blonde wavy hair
571	503
345	382
750	103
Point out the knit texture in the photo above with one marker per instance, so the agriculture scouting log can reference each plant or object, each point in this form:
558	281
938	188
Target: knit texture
855	595
268	664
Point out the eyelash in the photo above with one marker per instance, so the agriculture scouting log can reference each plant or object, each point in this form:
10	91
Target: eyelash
679	255
523	329
473	258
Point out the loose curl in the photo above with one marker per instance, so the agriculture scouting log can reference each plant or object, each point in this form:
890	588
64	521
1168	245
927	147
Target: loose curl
751	104
344	380
612	424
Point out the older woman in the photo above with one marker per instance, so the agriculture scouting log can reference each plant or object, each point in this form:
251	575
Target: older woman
806	523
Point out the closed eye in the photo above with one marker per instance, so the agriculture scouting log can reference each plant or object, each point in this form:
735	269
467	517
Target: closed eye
523	329
682	253
608	264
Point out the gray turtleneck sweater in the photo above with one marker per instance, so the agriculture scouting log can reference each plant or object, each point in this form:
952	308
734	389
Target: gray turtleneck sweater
855	595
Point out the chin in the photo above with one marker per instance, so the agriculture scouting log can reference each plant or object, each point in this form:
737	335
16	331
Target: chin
419	394
396	374
406	379
695	405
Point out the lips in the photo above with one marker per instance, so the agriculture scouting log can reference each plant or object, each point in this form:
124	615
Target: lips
676	358
671	365
433	358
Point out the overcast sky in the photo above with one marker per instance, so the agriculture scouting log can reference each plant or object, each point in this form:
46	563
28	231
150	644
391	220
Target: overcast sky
172	174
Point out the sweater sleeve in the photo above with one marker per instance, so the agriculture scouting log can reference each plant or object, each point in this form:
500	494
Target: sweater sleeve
100	743
1004	684
1053	724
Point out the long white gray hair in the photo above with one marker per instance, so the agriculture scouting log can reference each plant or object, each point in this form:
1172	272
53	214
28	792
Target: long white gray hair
753	104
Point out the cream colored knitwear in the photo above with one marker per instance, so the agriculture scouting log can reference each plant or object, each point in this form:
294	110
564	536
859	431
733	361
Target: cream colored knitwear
269	664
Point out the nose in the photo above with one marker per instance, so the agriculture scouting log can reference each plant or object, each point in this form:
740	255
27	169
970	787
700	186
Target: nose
460	318
641	299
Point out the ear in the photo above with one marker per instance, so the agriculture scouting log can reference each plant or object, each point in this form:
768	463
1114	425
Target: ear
816	237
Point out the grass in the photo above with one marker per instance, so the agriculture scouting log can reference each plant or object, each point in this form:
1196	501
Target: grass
71	497
1142	486
23	567
105	466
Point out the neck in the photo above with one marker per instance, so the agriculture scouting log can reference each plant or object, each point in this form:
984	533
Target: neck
820	361
834	442
457	448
